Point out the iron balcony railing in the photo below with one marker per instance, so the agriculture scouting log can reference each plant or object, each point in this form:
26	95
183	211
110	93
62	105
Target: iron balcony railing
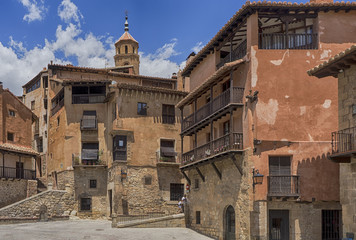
212	107
230	141
238	53
20	173
344	141
283	186
87	98
288	41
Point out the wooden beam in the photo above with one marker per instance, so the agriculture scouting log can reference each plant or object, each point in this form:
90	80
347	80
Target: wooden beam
186	177
216	170
235	163
200	174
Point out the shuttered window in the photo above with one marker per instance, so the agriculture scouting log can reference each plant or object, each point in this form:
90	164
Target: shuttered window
89	120
168	114
279	165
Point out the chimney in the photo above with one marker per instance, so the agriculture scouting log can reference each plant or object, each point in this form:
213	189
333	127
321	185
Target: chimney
1	86
174	76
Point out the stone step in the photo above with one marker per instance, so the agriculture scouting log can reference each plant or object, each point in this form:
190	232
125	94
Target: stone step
176	220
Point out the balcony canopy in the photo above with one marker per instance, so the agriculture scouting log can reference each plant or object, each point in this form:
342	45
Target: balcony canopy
216	77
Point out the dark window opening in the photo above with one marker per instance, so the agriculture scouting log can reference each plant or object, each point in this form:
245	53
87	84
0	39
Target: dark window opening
197	217
40	144
57	102
90	153
142	108
196	183
89	120
10	137
33	105
176	191
19	170
85	204
226	85
120	148
88	94
226	127
92	183
12	113
167	151
148	180
126	50
168	114
45	82
34	86
133	49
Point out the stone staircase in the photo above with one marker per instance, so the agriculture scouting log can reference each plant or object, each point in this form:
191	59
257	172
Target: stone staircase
169	221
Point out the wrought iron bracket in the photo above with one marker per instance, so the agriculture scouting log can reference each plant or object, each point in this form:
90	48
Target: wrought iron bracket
200	174
216	170
233	158
186	177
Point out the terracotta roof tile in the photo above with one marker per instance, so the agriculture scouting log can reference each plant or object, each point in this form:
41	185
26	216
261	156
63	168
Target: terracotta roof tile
18	148
349	51
126	36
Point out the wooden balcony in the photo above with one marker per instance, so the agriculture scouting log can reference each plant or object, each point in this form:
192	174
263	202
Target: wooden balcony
212	110
343	145
288	41
220	146
57	107
87	98
238	53
283	186
19	173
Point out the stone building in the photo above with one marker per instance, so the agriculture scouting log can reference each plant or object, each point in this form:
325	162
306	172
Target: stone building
256	114
18	160
343	67
111	134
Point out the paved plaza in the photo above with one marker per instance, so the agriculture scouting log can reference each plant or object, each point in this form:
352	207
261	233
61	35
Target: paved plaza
91	229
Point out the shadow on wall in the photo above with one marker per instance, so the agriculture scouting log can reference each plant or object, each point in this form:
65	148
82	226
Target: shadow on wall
319	178
267	145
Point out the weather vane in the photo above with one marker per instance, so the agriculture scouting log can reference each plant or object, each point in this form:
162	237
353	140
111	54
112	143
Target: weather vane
126	13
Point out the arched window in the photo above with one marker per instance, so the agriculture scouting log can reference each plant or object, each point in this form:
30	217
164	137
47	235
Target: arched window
126	49
133	49
118	50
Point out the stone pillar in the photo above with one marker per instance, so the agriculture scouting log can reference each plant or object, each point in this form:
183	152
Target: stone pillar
114	220
50	186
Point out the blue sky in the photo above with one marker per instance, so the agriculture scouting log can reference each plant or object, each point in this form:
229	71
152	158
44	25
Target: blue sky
82	32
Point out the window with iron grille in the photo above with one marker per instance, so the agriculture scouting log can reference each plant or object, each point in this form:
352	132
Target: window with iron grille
176	191
142	108
168	114
120	148
89	120
331	222
85	204
167	151
92	183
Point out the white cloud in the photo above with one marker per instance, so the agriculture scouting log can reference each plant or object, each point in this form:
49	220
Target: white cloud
18	64
158	64
35	8
69	12
198	46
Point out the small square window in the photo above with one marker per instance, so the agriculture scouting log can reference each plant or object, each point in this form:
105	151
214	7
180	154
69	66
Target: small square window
148	180
10	136
142	109
12	113
85	204
92	183
197	217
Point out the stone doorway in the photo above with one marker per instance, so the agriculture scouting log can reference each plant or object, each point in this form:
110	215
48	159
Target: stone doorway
229	227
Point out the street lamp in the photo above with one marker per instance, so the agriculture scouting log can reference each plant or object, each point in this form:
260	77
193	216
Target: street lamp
256	177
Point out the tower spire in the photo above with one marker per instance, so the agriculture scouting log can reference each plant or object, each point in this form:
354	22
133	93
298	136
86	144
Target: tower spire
126	22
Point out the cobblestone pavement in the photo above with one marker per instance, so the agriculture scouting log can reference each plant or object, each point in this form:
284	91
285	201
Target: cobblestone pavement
92	230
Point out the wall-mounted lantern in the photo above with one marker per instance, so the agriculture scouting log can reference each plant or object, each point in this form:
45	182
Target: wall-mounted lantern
256	177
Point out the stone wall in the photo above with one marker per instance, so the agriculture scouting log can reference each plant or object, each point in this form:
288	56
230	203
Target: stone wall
214	196
13	190
52	203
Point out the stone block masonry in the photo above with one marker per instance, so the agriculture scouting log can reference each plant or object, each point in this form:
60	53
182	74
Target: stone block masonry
51	203
13	190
